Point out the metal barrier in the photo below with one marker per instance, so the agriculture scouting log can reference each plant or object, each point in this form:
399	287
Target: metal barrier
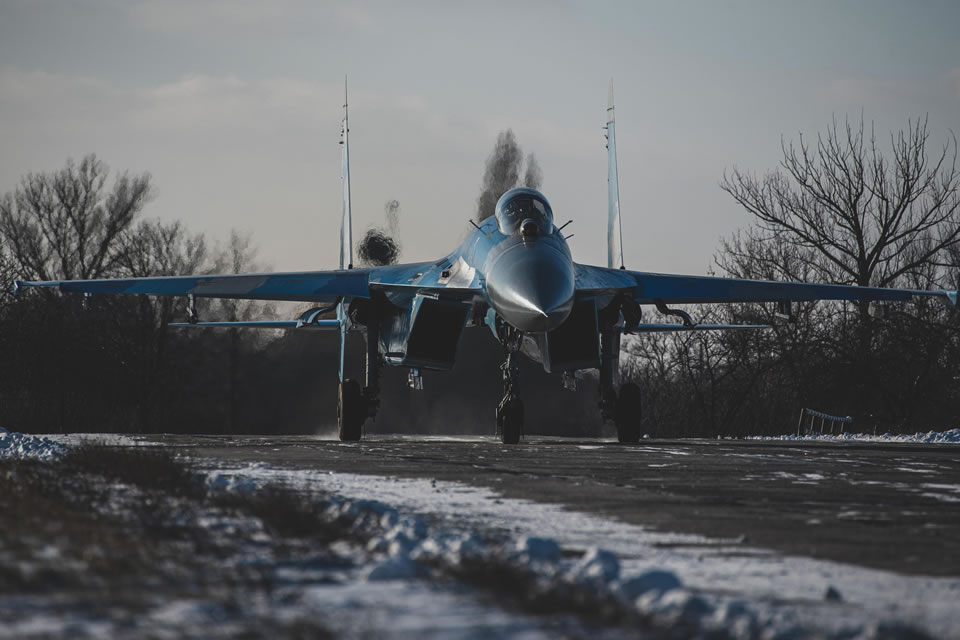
824	417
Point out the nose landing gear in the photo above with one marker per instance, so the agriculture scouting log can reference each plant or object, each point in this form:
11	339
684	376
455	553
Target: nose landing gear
510	409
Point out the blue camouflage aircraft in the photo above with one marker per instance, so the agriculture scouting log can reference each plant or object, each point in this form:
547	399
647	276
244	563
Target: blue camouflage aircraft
513	273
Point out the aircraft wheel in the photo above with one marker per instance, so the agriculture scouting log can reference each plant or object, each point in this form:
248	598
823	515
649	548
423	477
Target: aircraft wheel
351	411
511	421
629	413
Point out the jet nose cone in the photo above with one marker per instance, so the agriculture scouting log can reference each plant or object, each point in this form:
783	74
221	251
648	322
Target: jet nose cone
532	287
540	304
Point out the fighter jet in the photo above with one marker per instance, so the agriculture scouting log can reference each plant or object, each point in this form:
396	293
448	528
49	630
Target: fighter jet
514	273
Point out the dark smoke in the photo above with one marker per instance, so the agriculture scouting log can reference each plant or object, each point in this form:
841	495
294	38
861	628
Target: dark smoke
379	247
502	173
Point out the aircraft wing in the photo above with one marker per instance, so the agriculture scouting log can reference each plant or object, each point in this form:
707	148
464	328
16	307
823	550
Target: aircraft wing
303	286
328	325
651	288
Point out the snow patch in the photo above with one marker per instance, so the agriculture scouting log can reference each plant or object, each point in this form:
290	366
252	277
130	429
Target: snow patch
597	566
673	585
22	445
931	437
655	580
534	549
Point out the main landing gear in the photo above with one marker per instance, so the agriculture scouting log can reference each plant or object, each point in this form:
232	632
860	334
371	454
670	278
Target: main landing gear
351	411
628	411
623	408
355	403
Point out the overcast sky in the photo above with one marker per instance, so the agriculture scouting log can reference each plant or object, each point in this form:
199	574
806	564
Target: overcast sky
234	107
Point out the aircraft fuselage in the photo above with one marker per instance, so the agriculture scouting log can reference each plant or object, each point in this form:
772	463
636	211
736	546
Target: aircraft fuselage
521	271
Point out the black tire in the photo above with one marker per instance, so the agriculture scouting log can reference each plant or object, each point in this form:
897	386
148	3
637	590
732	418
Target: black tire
351	411
629	412
511	422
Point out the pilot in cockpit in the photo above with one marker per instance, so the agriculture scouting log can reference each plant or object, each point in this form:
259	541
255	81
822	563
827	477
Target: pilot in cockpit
525	210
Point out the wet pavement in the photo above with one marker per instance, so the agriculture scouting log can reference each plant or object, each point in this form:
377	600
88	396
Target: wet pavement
878	505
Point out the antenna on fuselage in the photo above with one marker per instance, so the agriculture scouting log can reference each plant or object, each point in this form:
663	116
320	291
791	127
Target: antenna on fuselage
614	232
346	222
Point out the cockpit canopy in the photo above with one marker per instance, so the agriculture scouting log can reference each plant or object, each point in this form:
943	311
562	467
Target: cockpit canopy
524	210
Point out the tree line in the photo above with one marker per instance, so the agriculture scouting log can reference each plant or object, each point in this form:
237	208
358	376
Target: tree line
841	208
108	363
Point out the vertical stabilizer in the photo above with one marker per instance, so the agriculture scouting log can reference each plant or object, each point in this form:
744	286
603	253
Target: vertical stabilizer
614	234
346	226
346	222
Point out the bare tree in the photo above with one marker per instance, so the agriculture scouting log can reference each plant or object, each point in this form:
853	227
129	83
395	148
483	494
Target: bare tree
854	214
67	224
152	248
842	210
7	275
239	256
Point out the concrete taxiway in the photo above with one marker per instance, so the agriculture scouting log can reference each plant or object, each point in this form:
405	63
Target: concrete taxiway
884	506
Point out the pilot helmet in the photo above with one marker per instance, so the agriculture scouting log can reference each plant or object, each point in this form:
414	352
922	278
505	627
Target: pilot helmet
524	210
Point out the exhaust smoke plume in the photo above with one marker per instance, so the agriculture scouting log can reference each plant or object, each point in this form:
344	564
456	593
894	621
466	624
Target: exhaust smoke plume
379	247
391	210
534	175
503	170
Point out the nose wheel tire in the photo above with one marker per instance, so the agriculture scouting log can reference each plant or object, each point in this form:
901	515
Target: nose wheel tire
510	421
351	411
628	414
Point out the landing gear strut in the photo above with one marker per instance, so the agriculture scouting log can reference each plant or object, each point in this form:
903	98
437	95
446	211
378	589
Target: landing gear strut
351	410
371	392
355	403
510	409
628	413
623	407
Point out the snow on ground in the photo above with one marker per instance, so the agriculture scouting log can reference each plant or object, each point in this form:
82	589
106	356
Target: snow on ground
707	583
930	437
49	446
681	581
102	439
22	445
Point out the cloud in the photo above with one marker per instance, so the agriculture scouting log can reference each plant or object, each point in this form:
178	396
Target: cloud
246	16
953	81
257	154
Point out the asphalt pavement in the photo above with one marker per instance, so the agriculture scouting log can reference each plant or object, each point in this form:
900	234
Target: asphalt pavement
885	506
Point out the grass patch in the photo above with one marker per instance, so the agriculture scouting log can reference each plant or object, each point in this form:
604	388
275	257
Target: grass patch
145	467
53	538
286	513
283	512
113	533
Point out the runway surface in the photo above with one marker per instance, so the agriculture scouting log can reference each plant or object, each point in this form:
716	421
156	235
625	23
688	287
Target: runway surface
883	506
